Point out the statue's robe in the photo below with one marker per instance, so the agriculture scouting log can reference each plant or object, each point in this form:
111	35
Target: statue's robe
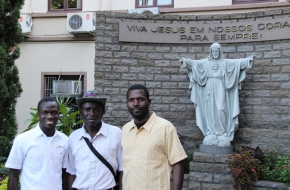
215	85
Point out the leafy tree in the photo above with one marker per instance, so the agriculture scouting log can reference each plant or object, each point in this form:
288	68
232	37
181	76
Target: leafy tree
10	87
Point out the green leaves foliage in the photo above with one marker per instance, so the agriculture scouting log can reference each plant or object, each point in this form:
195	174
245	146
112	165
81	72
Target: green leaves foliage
3	170
3	184
276	166
251	164
33	120
10	87
244	168
67	119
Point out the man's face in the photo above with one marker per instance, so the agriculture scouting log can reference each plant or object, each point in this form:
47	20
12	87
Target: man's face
215	52
48	115
91	113
138	104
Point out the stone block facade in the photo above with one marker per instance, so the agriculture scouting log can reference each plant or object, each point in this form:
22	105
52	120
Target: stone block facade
264	96
209	171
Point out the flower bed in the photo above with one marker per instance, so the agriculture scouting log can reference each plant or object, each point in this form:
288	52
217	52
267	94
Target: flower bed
248	164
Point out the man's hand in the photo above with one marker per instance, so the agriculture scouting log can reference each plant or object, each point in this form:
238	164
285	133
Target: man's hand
179	59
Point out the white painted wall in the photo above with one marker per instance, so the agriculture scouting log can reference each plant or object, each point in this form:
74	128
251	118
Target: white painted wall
107	5
41	6
92	5
49	27
49	57
200	3
204	3
122	5
35	6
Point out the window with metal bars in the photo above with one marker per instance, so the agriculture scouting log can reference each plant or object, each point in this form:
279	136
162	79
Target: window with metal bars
48	91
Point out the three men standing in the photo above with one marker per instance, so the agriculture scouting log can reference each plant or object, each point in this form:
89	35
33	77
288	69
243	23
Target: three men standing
151	147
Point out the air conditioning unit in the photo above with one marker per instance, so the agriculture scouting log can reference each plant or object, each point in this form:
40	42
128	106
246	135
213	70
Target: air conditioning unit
81	23
25	22
66	87
153	10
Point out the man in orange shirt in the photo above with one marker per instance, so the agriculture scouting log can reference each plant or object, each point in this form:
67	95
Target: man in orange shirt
151	147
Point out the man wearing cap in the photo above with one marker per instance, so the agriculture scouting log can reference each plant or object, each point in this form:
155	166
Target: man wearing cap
86	171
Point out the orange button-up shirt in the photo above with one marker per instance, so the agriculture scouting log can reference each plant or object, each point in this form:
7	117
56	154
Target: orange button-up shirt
148	154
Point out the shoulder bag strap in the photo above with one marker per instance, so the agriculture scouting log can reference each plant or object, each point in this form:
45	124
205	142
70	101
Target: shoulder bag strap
100	157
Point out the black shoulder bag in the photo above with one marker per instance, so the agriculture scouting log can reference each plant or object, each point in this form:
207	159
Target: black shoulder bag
103	160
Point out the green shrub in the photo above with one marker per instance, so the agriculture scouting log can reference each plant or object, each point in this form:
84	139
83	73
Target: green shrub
3	171
3	184
5	146
251	164
244	167
10	87
276	167
3	174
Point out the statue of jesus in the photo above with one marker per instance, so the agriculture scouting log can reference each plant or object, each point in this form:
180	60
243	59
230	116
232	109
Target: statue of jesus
214	84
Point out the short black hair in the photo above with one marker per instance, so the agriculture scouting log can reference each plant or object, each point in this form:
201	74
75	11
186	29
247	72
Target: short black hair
138	87
47	99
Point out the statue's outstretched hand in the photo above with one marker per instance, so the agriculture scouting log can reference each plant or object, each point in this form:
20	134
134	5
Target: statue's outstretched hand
179	58
251	58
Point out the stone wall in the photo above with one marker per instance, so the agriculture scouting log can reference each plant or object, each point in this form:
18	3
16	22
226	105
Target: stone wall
264	98
209	171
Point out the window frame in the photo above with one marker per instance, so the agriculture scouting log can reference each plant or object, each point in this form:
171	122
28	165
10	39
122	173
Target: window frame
238	2
65	8
64	74
154	5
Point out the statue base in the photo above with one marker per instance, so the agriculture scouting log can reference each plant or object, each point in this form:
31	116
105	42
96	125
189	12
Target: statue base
209	171
216	149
